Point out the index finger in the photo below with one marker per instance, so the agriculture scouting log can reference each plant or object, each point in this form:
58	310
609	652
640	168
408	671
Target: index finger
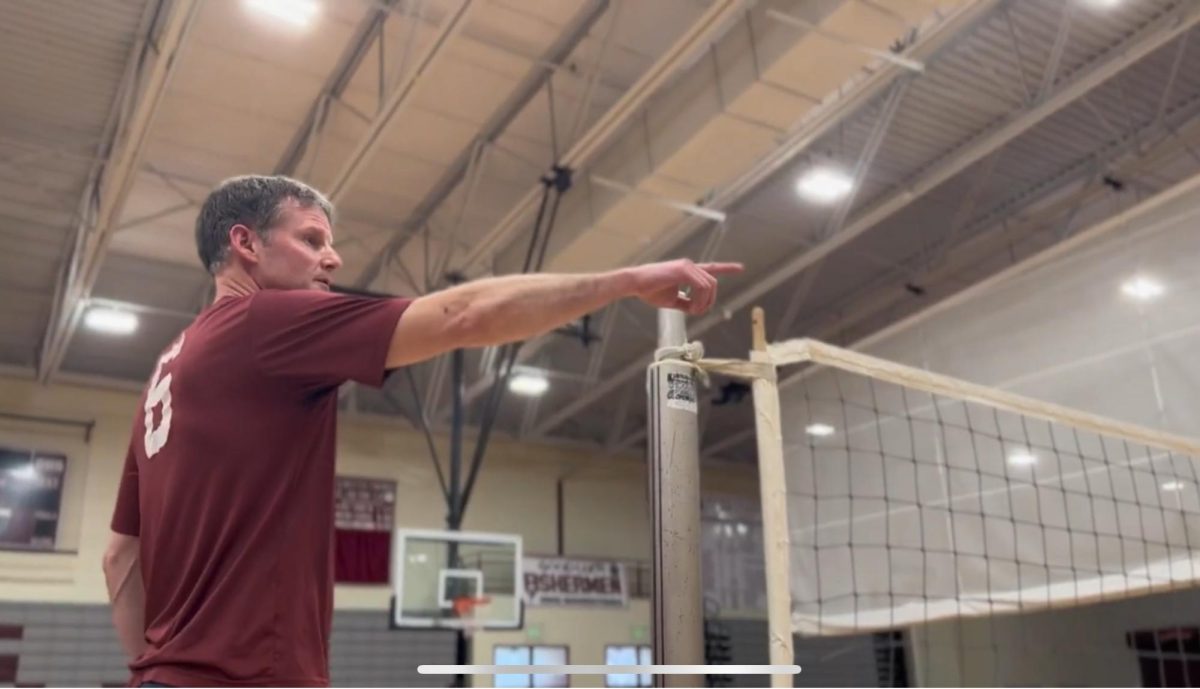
721	268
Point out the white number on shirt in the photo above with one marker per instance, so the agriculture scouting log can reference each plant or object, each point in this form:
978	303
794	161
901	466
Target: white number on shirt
158	393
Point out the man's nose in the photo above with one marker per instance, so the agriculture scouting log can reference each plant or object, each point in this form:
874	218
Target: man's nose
331	261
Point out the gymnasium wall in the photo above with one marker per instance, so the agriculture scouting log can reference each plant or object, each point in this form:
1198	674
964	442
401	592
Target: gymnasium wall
605	515
1062	331
1076	647
585	631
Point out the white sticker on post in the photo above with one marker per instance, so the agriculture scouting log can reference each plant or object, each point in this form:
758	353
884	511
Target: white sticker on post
681	391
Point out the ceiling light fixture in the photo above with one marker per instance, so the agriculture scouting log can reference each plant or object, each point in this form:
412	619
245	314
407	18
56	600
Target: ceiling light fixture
824	185
1172	486
819	430
529	384
1142	288
111	321
297	13
1022	458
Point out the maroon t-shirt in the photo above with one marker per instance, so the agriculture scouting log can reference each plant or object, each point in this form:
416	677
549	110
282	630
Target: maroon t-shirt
228	483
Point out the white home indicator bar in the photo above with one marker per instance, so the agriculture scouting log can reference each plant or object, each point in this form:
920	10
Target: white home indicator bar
608	669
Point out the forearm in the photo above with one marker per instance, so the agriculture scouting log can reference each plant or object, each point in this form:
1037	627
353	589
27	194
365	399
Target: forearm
128	595
129	615
516	307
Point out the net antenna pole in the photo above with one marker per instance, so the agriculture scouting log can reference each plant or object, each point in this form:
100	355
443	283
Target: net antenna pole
677	617
772	482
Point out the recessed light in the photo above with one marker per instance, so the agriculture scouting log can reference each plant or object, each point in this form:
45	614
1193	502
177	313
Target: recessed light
529	384
111	321
297	13
1172	486
1022	458
819	430
1142	288
824	185
1102	4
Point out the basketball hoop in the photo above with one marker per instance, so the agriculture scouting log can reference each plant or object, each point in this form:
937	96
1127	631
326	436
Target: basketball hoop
464	609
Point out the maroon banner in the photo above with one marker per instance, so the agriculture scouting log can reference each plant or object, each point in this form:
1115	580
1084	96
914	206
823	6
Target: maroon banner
361	557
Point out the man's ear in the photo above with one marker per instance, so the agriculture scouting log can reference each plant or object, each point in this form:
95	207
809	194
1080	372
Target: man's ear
244	242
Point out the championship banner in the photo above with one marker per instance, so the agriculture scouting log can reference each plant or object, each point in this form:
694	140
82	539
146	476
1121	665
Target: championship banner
562	581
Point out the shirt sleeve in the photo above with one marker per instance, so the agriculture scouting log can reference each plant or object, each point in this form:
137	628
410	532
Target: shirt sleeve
127	515
322	338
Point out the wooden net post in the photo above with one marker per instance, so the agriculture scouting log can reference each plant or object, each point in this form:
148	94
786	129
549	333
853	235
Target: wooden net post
772	481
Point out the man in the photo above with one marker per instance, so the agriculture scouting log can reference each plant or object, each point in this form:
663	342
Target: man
220	567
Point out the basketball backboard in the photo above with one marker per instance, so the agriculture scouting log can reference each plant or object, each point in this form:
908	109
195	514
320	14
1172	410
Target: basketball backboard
435	572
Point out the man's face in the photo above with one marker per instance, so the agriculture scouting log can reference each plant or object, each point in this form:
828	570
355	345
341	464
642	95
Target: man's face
298	253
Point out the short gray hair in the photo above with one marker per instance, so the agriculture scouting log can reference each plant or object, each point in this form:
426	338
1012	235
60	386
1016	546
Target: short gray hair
254	201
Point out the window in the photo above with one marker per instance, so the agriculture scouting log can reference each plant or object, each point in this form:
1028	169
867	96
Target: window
1167	657
891	663
530	655
31	485
512	655
628	655
731	549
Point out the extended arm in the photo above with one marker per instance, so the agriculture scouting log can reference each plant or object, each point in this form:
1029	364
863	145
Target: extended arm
516	307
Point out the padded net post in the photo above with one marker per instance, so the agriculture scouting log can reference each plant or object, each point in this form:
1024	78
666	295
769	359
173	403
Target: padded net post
674	473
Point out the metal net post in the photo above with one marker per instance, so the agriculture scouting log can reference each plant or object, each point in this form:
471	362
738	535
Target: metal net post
674	473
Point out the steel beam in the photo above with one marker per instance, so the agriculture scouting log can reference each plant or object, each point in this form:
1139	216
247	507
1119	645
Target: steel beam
367	33
400	98
1146	41
606	332
1056	52
1018	54
1180	51
612	441
666	201
474	174
714	19
874	306
887	56
593	78
837	221
883	122
1068	204
143	97
496	125
1088	191
810	130
629	441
